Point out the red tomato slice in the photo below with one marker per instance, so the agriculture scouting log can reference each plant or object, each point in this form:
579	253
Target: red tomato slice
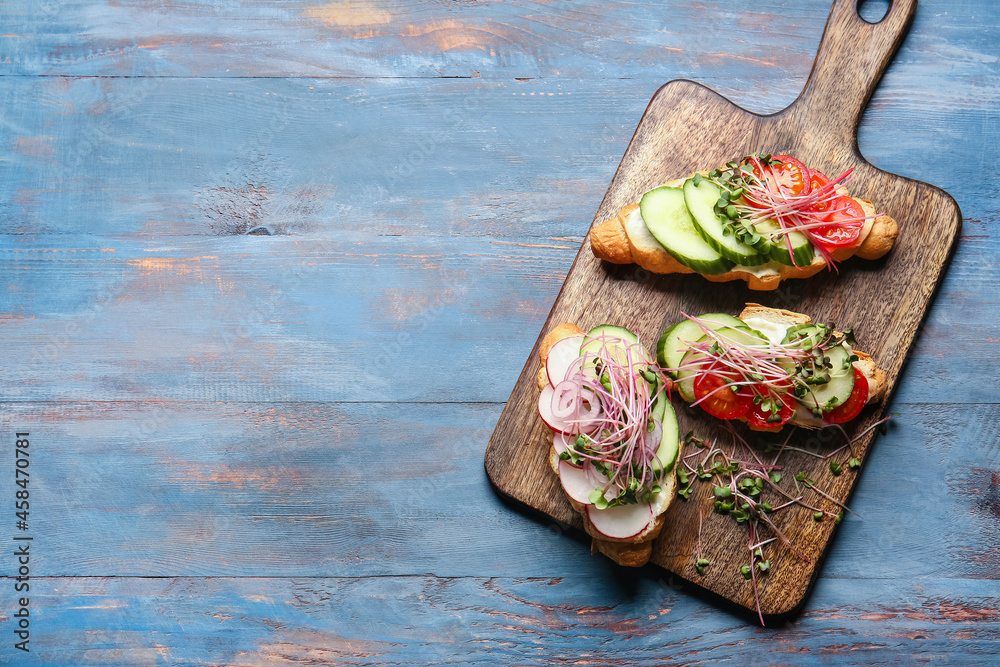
818	180
845	215
757	418
724	403
792	176
850	408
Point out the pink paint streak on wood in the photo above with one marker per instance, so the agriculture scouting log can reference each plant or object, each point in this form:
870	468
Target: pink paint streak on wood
39	147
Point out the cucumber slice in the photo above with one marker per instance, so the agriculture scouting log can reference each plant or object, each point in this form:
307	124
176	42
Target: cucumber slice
701	200
667	219
612	341
685	379
670	348
832	394
802	250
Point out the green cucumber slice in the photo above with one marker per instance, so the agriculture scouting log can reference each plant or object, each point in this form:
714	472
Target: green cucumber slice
701	200
832	394
604	335
685	379
615	340
667	219
802	250
673	341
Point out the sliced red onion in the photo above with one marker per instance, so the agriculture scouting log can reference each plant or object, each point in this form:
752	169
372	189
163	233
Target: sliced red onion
652	440
566	399
574	402
545	412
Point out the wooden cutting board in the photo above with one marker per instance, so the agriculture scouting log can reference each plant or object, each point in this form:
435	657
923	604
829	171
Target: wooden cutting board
686	128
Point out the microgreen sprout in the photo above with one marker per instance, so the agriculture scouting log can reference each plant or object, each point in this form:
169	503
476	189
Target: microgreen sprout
751	194
607	397
743	490
775	375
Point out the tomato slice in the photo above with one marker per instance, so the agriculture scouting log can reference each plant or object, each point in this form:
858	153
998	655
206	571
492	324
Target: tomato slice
850	408
846	218
757	418
724	403
792	176
817	180
845	208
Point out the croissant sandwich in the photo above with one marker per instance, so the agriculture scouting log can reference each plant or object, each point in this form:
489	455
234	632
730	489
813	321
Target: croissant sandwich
762	219
613	434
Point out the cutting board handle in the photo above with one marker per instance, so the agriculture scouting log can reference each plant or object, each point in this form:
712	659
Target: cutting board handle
851	58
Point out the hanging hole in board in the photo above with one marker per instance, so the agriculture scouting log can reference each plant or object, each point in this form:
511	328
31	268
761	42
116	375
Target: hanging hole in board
873	11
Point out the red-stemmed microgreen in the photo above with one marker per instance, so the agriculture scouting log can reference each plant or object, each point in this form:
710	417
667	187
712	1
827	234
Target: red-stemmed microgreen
775	373
609	394
740	479
751	194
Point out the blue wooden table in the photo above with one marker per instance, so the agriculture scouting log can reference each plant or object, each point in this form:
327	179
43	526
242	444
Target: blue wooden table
270	271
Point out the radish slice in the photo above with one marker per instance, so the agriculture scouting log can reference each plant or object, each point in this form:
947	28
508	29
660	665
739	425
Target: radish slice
579	482
562	442
621	522
561	357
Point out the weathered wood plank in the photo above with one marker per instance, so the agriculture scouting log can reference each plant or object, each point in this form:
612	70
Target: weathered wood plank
489	621
178	168
686	128
321	489
392	38
352	318
157	158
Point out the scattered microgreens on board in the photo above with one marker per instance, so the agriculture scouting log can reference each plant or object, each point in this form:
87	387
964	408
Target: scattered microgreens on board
740	477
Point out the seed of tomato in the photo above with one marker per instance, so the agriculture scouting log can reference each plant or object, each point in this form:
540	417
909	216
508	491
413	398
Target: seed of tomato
850	408
718	399
817	180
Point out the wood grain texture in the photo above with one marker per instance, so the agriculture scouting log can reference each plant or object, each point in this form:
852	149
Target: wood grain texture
298	489
541	621
686	128
206	389
390	38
